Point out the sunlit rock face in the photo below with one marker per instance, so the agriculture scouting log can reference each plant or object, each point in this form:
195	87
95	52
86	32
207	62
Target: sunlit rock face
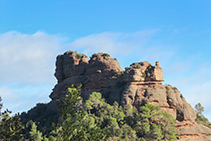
139	84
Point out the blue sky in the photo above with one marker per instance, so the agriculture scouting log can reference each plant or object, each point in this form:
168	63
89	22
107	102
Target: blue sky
33	33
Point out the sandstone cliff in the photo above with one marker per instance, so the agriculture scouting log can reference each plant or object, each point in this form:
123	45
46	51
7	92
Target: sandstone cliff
139	84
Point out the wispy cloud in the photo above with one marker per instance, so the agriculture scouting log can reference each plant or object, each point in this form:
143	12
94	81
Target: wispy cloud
27	68
112	42
28	58
119	45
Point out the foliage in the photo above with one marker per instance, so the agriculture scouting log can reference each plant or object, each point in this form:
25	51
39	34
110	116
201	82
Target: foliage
167	87
44	114
175	88
106	54
95	119
199	109
200	118
78	56
93	55
151	123
10	126
35	135
136	66
150	65
118	74
74	119
144	75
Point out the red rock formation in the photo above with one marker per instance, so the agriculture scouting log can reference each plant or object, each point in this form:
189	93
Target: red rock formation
139	84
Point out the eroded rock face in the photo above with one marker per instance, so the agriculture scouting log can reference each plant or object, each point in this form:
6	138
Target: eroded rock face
139	84
94	74
143	71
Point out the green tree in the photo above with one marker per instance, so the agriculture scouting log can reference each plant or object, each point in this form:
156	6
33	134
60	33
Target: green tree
92	120
155	131
11	128
199	109
35	135
168	128
127	133
151	123
75	122
200	118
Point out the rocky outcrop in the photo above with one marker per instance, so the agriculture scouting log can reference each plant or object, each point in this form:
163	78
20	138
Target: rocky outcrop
139	84
96	74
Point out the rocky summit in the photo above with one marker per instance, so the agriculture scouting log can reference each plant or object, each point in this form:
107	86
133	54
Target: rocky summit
139	84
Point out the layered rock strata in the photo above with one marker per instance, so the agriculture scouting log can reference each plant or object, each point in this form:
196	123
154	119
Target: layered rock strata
139	84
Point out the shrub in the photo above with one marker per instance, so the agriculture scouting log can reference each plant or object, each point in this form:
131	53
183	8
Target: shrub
106	54
118	74
144	74
136	66
174	88
93	55
78	56
167	88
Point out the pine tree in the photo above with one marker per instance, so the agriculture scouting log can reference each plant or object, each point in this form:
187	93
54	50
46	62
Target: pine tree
199	109
35	135
200	118
11	127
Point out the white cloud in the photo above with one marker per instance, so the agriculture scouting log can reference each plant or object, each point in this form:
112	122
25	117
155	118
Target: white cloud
27	68
28	58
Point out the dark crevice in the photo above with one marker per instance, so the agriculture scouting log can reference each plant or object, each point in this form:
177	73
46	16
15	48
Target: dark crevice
155	101
180	116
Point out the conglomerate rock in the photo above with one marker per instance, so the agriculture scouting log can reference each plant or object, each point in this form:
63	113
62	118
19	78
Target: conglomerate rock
139	84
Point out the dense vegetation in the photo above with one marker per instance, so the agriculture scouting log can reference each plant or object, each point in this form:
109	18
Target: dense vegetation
43	114
11	128
94	119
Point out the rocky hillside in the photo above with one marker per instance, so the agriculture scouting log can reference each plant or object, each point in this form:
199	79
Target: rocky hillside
139	84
